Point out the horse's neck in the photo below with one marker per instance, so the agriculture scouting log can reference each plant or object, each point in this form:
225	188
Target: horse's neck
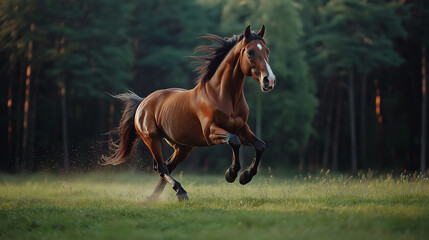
228	79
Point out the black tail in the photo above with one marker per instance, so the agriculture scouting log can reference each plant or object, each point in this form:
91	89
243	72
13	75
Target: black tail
126	130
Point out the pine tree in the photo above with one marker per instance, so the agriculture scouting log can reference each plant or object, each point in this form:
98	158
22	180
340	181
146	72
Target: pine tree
164	34
418	23
355	38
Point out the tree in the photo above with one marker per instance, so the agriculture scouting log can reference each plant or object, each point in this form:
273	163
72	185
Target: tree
164	34
418	23
20	35
356	37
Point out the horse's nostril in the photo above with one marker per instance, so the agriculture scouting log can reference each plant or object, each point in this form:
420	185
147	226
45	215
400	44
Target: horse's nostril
266	82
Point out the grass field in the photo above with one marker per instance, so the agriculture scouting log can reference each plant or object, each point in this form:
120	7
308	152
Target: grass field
114	206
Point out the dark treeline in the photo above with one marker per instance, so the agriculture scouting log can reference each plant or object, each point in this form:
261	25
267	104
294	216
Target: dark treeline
350	92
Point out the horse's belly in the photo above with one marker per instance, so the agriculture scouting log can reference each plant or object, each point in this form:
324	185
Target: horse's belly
179	123
185	132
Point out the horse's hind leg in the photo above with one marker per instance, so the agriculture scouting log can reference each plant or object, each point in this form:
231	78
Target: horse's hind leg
154	144
158	189
248	138
180	154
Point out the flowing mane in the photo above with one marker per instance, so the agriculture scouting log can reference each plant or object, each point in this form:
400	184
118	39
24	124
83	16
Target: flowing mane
207	64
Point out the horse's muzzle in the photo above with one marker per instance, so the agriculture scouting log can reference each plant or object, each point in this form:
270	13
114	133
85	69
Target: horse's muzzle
268	84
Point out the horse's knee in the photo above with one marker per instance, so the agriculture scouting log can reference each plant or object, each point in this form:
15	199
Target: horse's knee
234	141
260	146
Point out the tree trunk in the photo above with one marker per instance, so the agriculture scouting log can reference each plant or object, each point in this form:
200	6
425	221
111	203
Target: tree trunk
111	118
55	103
339	107
64	112
10	120
26	156
424	108
19	121
111	115
380	140
101	115
30	166
352	122
25	132
316	150
64	128
328	127
363	120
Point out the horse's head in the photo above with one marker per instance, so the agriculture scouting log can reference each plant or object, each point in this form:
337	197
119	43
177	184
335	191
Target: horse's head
254	59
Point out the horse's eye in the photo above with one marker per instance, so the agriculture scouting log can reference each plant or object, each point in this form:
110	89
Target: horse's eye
250	53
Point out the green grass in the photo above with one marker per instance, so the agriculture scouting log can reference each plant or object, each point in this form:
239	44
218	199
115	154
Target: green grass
114	206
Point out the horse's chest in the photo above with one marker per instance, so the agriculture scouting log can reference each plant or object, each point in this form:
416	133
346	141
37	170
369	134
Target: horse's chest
230	120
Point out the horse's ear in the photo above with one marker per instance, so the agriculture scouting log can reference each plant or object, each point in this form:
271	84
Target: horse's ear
247	32
261	32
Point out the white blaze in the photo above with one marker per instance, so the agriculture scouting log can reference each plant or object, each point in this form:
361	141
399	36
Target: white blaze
271	75
259	46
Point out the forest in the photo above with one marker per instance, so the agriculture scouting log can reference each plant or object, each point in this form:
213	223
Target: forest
350	94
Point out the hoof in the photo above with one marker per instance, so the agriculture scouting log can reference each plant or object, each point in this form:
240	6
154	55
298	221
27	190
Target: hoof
245	177
230	175
153	197
182	196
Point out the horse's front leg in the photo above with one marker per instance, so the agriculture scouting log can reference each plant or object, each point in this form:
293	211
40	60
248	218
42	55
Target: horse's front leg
248	138
221	136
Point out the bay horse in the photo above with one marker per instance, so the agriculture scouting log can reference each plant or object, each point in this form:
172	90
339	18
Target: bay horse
215	111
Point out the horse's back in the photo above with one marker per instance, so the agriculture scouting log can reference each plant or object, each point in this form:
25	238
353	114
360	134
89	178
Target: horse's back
173	112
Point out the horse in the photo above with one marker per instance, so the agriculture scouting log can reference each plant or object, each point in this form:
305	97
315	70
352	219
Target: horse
214	112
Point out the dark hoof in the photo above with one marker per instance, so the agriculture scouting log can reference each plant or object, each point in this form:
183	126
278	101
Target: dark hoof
182	196
230	175
245	177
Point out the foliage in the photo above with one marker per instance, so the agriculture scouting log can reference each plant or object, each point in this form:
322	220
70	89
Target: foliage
165	34
90	47
356	33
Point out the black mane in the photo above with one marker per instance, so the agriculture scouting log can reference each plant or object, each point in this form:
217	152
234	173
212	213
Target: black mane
208	63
